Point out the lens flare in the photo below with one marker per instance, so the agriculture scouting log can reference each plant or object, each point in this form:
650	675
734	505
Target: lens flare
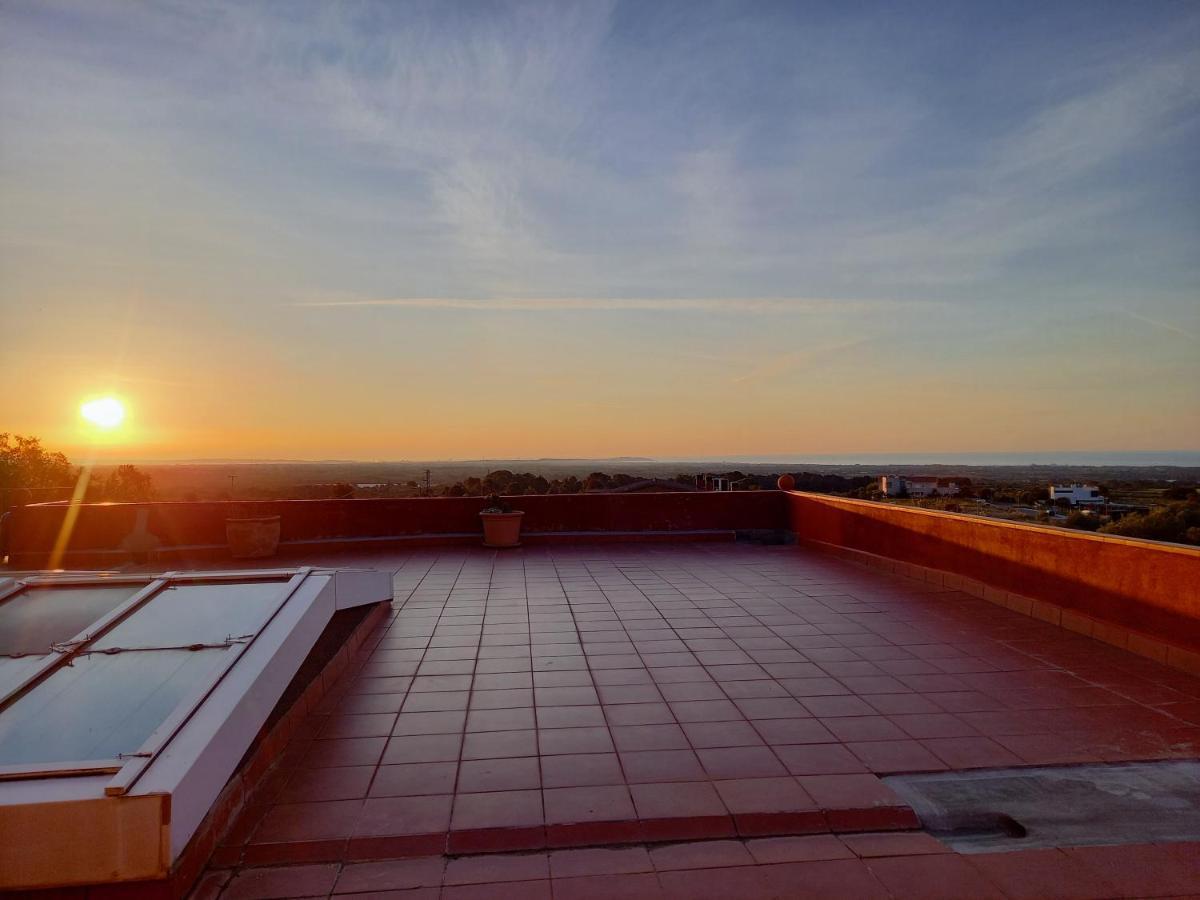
104	412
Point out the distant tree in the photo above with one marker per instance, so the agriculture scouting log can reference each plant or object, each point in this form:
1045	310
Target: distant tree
24	463
597	481
1177	522
1180	492
1029	498
1083	521
124	484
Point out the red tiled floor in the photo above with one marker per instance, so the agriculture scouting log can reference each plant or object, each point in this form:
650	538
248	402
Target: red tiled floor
293	881
933	876
482	775
586	673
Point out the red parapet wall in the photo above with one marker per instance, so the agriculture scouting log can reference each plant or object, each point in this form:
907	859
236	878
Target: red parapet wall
1147	587
102	531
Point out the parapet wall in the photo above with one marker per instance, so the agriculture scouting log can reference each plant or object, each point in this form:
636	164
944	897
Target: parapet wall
103	534
1146	588
1143	595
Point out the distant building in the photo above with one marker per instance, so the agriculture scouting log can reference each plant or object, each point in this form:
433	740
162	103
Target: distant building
1077	494
919	486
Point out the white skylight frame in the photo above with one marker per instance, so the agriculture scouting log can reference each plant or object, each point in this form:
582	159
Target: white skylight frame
192	753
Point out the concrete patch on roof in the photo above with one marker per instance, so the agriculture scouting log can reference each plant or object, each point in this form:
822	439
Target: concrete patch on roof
1058	806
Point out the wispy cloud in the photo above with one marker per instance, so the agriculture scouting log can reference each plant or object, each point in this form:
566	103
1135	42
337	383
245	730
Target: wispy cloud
1160	324
755	305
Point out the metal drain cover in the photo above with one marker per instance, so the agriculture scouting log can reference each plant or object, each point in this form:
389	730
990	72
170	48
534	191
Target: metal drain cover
1056	806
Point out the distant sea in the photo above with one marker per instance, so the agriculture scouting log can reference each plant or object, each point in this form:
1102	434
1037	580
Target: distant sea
1055	458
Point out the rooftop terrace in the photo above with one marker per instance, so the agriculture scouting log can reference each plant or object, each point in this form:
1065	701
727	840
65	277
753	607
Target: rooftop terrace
701	719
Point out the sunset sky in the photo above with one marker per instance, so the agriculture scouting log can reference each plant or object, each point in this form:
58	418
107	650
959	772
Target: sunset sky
419	230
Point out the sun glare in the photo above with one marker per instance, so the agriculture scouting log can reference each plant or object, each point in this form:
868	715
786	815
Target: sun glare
104	412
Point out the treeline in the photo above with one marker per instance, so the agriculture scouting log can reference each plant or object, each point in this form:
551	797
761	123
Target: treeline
29	473
505	482
1178	521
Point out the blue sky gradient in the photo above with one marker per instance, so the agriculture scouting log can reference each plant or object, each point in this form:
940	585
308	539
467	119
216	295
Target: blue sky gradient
677	228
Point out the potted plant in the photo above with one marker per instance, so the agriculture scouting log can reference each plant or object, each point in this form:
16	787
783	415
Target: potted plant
501	523
251	536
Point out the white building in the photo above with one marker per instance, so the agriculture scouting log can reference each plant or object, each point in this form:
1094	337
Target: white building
918	486
1077	494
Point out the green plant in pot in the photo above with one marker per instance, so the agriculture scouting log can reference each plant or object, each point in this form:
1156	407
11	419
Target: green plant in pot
501	523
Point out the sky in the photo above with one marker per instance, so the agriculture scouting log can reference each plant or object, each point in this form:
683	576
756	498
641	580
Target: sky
420	230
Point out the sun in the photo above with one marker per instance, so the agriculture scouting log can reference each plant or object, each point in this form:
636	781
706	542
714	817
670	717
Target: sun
103	412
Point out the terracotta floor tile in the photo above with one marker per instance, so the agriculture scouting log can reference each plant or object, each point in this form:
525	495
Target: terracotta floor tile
423	748
848	791
526	890
716	884
345	752
756	795
793	731
692	692
581	770
818	759
553	741
649	737
640	714
418	723
336	783
1140	870
587	804
518	719
511	698
677	800
358	726
282	882
722	734
404	815
1036	874
628	693
570	716
499	744
771	708
328	820
805	848
912	843
827	878
896	756
700	855
946	876
740	762
499	809
599	861
391	875
565	696
864	728
608	887
414	779
971	753
497	868
649	766
512	774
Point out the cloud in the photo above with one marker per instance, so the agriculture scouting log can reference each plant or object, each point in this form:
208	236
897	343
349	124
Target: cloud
748	305
1164	326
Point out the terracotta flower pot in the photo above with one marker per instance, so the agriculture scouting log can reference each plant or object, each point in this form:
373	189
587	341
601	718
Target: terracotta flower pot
501	529
252	538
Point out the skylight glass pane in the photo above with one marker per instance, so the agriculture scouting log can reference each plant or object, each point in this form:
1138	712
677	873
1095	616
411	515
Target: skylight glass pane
102	705
187	614
40	616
